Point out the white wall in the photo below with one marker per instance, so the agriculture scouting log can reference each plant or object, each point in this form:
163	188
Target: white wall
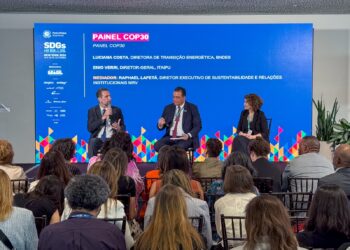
331	62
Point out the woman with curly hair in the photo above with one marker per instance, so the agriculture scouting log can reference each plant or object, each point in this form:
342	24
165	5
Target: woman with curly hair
252	124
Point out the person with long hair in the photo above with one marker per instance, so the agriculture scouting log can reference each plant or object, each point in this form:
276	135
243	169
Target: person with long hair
125	184
17	224
195	207
47	199
328	224
235	158
52	163
252	124
268	226
170	228
122	140
239	191
112	208
176	158
67	147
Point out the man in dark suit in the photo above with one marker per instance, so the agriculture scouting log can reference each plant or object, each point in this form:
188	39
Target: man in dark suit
341	162
182	122
102	120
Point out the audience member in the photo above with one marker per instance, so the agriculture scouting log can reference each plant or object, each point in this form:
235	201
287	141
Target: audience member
6	158
112	208
328	225
85	195
125	184
169	227
239	191
17	224
309	164
67	147
47	199
52	164
341	162
176	158
235	158
156	173
259	154
123	141
268	225
195	207
212	166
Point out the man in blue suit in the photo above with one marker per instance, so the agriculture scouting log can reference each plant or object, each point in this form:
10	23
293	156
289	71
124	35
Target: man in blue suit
182	122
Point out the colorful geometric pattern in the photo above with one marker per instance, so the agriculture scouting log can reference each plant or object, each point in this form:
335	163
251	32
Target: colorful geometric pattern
144	148
43	145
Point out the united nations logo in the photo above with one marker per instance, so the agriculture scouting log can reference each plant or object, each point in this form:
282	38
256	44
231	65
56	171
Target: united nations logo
47	34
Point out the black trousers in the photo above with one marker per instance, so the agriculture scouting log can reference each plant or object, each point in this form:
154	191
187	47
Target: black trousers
166	141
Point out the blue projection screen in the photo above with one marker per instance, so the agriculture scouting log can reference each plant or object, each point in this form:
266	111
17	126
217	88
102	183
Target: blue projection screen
141	64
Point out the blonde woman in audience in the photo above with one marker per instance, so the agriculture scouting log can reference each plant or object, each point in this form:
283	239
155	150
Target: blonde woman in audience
239	191
268	225
16	223
6	158
112	208
195	207
170	228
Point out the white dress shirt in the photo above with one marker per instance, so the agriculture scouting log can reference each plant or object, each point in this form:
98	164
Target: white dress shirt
179	130
108	127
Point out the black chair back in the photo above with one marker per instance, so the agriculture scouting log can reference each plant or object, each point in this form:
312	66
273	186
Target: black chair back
116	220
233	223
125	199
264	184
197	222
206	182
297	202
19	185
40	223
302	184
298	223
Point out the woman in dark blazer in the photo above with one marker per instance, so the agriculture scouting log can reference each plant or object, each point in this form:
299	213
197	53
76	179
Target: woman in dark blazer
252	124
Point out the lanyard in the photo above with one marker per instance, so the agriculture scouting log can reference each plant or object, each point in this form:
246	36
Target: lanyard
81	216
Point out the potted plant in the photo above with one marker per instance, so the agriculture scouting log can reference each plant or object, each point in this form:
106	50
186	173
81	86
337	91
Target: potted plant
341	134
324	126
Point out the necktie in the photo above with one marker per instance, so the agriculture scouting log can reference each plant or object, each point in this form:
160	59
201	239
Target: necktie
104	133
177	118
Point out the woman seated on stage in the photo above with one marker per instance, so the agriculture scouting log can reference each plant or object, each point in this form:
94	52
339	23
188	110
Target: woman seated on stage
252	124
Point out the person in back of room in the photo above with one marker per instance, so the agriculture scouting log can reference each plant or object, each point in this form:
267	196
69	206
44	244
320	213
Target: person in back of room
169	227
82	230
47	199
252	124
103	119
182	122
328	224
16	223
67	147
212	166
268	226
259	153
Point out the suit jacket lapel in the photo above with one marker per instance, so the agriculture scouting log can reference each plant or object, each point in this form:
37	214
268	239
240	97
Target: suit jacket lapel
98	112
185	115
